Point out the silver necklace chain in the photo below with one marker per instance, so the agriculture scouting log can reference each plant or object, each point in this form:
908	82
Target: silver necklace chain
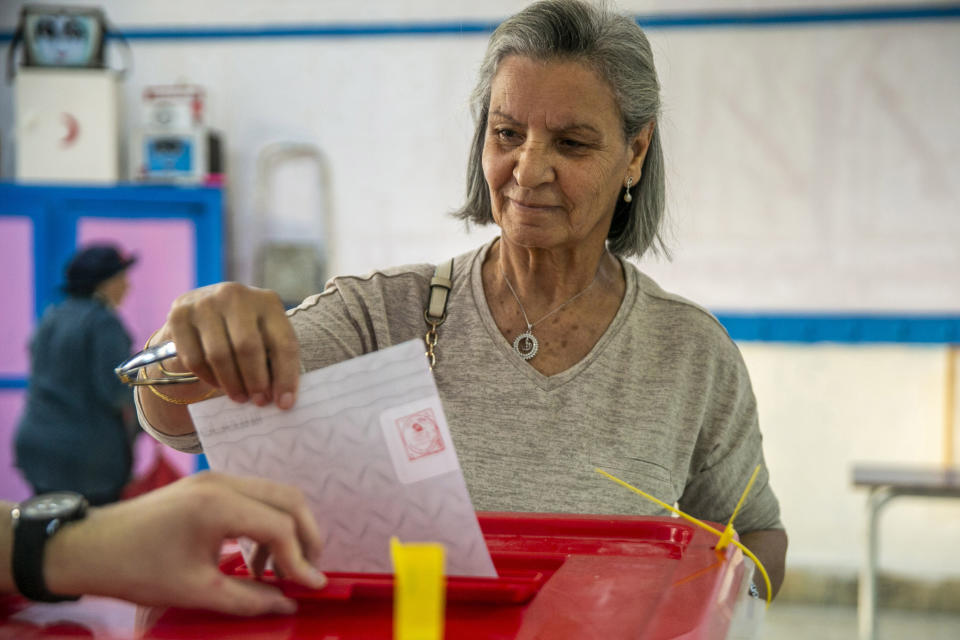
526	344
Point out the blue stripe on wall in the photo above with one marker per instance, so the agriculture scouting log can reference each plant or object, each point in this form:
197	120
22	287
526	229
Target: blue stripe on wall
843	328
789	17
345	30
756	18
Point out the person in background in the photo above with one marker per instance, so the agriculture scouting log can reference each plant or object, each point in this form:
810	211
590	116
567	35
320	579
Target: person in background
557	354
76	431
162	548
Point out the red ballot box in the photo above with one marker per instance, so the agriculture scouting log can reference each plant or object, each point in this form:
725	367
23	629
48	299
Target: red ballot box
560	577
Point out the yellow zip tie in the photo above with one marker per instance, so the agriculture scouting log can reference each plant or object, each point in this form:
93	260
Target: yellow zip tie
418	600
704	525
729	531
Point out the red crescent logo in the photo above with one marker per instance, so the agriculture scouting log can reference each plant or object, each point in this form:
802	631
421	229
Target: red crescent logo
73	130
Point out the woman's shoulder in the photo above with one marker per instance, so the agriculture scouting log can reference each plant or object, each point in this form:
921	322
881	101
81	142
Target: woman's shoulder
376	277
394	285
681	314
82	312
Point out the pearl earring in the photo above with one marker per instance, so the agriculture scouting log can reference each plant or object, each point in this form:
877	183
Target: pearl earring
626	194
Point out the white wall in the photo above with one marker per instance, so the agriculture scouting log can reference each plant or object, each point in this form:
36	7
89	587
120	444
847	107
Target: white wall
810	167
822	408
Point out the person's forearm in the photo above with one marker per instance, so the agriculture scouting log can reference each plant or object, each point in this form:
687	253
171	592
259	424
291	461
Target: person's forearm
770	547
65	556
168	417
81	559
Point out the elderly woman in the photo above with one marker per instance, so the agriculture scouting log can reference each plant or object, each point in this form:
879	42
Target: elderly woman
557	355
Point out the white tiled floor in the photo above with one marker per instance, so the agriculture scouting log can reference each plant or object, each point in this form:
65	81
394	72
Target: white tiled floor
787	621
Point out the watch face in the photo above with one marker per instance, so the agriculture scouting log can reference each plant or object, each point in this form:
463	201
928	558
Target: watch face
51	505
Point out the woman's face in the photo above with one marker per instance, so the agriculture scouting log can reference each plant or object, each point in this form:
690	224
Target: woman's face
555	158
115	288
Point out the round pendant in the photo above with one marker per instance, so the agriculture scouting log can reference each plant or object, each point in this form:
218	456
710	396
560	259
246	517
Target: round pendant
526	345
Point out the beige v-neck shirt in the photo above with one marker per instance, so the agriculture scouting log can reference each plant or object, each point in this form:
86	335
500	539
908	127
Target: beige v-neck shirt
663	400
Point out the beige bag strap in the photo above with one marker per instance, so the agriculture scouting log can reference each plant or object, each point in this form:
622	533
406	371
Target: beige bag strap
436	311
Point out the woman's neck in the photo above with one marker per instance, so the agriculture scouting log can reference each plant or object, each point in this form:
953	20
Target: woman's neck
542	277
557	308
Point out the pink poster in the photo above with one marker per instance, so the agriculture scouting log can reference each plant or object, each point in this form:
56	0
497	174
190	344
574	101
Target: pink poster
12	485
16	291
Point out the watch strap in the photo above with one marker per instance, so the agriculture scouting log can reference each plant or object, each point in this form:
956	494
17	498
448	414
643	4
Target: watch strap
29	549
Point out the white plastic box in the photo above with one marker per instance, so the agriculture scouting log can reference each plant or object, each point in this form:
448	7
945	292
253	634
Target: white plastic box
68	125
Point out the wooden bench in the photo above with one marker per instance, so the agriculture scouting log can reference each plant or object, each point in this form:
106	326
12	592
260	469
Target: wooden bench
885	482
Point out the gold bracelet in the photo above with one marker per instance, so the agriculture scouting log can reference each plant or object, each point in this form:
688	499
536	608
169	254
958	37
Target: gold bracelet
146	345
163	369
173	400
171	374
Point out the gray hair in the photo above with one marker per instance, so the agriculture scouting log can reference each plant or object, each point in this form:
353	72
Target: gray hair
616	48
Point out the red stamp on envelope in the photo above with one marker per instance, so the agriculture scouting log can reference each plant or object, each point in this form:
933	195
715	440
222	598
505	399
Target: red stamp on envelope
420	434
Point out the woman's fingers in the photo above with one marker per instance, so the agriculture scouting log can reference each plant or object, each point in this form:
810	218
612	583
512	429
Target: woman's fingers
239	339
246	356
218	351
284	353
180	329
248	326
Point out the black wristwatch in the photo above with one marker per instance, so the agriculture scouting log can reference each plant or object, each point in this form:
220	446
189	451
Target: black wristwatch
34	522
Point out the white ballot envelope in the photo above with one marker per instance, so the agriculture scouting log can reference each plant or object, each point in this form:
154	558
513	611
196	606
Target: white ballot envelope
368	444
